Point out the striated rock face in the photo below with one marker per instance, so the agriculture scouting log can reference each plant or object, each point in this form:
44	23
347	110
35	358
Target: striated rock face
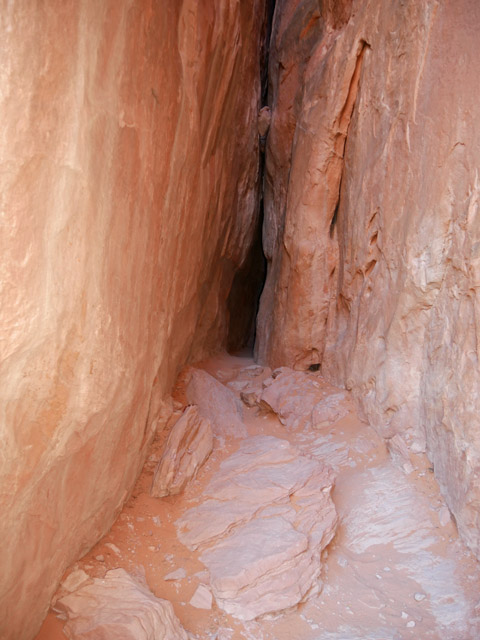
372	228
266	518
128	184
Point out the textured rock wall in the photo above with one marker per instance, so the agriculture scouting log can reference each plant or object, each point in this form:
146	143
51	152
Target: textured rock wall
128	188
373	229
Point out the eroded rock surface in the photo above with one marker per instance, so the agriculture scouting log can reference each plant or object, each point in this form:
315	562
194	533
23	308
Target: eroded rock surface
117	607
371	225
189	444
265	519
216	403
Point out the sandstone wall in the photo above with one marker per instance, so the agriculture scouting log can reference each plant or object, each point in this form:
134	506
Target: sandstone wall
374	254
128	188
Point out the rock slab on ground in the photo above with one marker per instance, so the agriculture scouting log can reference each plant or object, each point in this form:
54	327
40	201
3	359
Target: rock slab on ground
216	403
266	518
188	446
302	399
118	607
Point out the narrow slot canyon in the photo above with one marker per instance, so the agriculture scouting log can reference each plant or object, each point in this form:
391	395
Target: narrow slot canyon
239	318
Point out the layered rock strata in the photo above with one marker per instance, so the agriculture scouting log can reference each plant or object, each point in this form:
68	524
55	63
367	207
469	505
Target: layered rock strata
265	518
128	182
372	220
117	607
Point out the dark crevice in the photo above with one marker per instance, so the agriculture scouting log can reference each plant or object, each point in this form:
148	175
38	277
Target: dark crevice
337	207
244	298
369	267
265	52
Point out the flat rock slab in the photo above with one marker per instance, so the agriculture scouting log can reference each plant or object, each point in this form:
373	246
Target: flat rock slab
265	521
117	607
188	446
266	565
216	403
303	399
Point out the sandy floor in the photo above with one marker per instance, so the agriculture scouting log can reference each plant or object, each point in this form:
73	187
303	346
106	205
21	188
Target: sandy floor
392	571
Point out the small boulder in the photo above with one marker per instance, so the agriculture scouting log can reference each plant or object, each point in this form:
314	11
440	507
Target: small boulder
188	446
302	399
117	607
216	403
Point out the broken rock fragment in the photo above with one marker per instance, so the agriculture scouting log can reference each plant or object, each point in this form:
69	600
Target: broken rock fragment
188	446
178	574
250	398
216	403
399	453
302	399
249	383
266	565
202	598
75	580
266	518
118	607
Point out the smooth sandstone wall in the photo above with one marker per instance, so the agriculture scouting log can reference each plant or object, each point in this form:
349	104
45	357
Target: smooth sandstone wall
373	230
128	190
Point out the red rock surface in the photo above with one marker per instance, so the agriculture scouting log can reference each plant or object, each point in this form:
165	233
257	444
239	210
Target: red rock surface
371	229
128	183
